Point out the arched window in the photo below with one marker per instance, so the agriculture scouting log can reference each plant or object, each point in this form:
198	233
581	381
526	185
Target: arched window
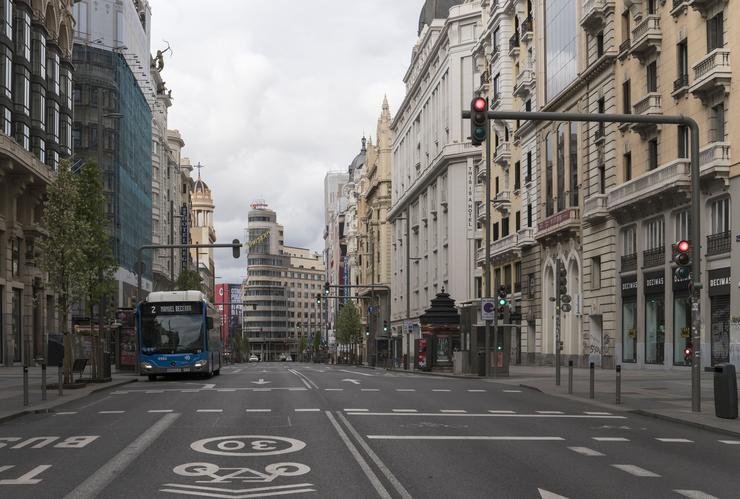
561	167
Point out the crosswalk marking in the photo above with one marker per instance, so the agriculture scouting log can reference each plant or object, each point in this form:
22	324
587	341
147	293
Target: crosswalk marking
635	470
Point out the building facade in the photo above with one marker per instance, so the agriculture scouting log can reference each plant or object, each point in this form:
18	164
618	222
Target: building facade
434	231
202	231
36	110
336	261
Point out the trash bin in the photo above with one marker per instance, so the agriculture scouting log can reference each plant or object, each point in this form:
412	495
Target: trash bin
725	391
481	363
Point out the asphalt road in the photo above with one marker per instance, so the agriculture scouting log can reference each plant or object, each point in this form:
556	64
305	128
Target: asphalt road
310	430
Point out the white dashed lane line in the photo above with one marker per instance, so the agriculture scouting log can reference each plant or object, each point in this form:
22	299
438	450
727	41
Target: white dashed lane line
111	412
512	391
636	470
65	413
356	410
695	494
611	439
730	442
477	391
404	410
369	389
441	390
333	389
502	412
258	410
592	413
675	440
159	410
550	412
210	410
586	451
307	410
453	411
405	389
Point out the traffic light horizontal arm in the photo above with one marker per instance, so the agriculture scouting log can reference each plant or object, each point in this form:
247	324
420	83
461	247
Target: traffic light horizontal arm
587	117
371	286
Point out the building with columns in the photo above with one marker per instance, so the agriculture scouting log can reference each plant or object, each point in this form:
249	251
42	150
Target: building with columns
36	110
203	232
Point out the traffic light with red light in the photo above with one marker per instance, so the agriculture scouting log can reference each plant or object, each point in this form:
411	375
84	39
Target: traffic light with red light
682	259
688	351
479	126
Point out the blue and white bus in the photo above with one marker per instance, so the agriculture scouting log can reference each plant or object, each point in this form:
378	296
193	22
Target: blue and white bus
178	332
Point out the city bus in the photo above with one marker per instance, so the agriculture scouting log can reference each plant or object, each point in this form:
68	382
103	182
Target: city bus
178	332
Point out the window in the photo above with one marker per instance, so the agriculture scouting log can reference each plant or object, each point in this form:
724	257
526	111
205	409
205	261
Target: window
6	72
683	141
627	158
518	220
654	234
596	272
7	14
548	175
52	73
717	123
7	117
529	215
496	186
629	241
517	175
15	256
561	40
651	7
561	167
715	32
23	135
601	105
683	226
720	216
528	178
495	231
76	136
652	154
22	90
626	98
22	24
38	51
682	61
602	179
504	226
599	44
497	40
626	25
652	76
573	154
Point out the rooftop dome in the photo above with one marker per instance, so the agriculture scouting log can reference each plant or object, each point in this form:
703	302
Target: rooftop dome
201	187
435	9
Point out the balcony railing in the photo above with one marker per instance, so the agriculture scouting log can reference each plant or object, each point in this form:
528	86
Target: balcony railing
502	201
680	84
712	73
595	13
666	181
496	100
629	262
502	153
526	237
678	6
653	257
718	244
527	29
566	220
624	47
524	83
650	104
715	159
514	44
594	208
646	37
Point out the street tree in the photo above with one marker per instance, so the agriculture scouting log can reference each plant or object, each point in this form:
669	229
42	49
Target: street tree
63	259
189	280
348	325
302	345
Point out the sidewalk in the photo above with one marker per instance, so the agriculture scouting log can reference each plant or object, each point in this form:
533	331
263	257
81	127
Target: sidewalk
11	390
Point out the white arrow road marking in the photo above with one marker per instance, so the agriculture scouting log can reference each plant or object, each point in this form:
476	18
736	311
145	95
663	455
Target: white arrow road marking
260	382
545	494
354	381
26	479
694	494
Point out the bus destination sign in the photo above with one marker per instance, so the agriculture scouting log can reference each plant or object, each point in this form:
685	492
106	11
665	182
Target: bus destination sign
172	308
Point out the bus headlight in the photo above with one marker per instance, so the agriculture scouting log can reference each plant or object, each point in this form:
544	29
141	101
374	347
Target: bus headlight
200	363
146	365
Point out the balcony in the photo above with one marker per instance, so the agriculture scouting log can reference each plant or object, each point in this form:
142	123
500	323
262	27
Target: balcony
715	160
503	249
502	201
594	208
680	85
502	155
496	100
718	244
712	75
653	257
524	85
566	222
646	37
678	7
526	238
667	186
704	6
514	45
481	173
650	105
624	48
482	213
629	262
595	14
527	30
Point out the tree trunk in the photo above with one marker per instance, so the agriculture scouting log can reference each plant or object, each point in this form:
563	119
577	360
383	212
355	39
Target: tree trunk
67	343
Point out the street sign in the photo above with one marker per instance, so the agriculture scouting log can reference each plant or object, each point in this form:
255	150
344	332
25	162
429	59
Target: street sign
487	309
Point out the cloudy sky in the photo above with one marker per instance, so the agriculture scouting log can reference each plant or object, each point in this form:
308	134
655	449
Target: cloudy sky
269	95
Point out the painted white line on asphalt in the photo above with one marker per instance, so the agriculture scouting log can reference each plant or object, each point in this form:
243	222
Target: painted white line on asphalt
594	413
111	412
153	391
476	391
306	380
465	437
98	481
586	451
730	442
549	412
546	494
488	415
259	410
229	389
369	473
307	410
512	391
159	410
502	412
694	494
354	372
333	389
210	410
65	413
357	410
275	490
635	470
441	390
369	389
378	462
405	389
404	410
611	439
675	440
453	411
190	390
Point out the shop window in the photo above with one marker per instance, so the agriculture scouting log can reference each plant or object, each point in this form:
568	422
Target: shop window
629	331
681	326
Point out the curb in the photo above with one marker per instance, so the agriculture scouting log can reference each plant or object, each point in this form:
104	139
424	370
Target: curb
57	403
438	375
695	424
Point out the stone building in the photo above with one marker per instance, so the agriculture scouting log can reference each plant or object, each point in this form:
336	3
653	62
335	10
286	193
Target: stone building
202	231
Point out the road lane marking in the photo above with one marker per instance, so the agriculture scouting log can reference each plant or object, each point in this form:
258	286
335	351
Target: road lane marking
159	410
675	440
275	490
453	411
307	410
635	470
115	467
405	389
111	412
476	391
730	442
26	478
229	389
369	473
374	457
210	410
488	415
153	391
466	437
441	390
259	410
611	439
354	372
550	412
502	412
404	410
596	413
586	451
356	410
306	380
333	389
694	494
546	494
369	389
512	391
65	413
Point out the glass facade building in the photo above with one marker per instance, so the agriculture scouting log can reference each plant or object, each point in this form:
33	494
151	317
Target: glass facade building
561	42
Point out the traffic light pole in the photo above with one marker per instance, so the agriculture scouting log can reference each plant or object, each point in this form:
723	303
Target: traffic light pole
487	270
558	360
695	205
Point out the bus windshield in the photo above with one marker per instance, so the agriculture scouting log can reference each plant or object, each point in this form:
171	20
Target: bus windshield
171	334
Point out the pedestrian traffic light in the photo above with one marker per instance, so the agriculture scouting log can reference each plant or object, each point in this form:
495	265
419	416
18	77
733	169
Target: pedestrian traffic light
236	248
385	326
682	259
318	298
326	288
688	350
502	301
479	121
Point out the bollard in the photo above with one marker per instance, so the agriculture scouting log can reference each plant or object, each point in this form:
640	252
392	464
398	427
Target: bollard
570	377
25	386
59	380
43	381
591	380
619	385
